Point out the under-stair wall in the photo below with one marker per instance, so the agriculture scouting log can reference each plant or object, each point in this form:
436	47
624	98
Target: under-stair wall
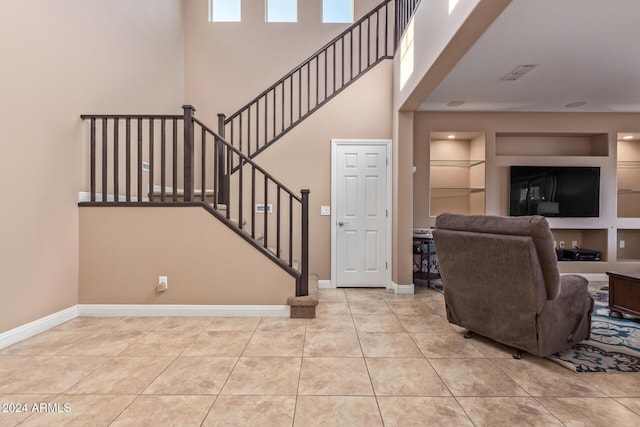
123	250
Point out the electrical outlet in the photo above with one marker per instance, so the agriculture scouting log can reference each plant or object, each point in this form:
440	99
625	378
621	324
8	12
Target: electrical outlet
562	243
621	244
555	244
574	244
163	283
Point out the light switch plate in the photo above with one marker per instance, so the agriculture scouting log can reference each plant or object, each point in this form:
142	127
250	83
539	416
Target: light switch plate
325	210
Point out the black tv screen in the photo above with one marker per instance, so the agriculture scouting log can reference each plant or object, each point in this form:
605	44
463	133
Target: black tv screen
554	191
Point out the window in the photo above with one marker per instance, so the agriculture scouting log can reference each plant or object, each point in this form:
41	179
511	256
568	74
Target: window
337	11
282	10
224	10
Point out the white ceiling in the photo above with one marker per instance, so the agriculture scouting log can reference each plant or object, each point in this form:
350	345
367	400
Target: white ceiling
585	51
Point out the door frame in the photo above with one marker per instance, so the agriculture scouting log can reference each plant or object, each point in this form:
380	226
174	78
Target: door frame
335	143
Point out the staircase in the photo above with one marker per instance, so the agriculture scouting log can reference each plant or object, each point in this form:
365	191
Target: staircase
302	91
177	160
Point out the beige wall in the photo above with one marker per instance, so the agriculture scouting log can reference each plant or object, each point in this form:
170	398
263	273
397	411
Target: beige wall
302	158
59	60
440	38
402	197
602	154
228	64
124	250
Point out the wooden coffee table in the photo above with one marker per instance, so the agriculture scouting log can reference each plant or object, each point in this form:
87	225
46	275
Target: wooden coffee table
624	294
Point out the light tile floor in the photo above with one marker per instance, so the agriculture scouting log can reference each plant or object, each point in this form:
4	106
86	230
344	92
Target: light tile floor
370	358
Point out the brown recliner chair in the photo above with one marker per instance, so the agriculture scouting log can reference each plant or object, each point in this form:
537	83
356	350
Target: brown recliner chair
501	281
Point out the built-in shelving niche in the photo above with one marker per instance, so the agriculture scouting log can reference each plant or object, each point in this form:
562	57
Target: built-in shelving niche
552	144
628	176
594	239
628	242
457	173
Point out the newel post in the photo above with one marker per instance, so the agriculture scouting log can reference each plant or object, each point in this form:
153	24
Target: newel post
189	154
303	287
223	172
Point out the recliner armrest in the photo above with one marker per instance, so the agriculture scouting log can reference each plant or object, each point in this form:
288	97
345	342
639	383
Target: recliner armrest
562	320
573	284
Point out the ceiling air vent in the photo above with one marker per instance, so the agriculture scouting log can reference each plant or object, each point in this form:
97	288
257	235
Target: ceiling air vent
520	71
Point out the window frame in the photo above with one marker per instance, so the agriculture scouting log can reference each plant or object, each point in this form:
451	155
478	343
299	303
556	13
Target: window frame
349	21
212	8
295	12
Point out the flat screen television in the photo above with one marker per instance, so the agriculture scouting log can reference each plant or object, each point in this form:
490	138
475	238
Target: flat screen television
572	191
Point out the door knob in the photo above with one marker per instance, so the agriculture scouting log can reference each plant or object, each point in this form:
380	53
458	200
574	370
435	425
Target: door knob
342	223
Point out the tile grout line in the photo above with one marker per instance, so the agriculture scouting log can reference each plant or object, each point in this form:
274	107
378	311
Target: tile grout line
230	371
304	342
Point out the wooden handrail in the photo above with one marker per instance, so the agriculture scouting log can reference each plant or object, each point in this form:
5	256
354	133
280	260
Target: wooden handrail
310	58
247	159
224	158
131	116
311	84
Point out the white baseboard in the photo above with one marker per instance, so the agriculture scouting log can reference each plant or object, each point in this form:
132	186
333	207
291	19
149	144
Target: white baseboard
37	326
324	284
179	310
138	310
402	289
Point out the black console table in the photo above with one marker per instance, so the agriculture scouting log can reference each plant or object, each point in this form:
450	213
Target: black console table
425	249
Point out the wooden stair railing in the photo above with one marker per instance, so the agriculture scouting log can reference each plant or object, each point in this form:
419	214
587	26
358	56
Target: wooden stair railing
151	142
314	82
404	11
175	160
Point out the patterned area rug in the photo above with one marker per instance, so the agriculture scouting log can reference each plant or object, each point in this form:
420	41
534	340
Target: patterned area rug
614	345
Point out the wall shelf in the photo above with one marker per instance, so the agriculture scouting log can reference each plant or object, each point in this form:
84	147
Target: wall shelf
466	190
457	163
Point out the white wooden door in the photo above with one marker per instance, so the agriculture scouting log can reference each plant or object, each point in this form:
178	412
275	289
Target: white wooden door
361	215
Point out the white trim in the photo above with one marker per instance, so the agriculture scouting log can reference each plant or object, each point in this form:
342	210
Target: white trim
182	310
334	149
85	196
402	289
37	326
138	310
325	284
